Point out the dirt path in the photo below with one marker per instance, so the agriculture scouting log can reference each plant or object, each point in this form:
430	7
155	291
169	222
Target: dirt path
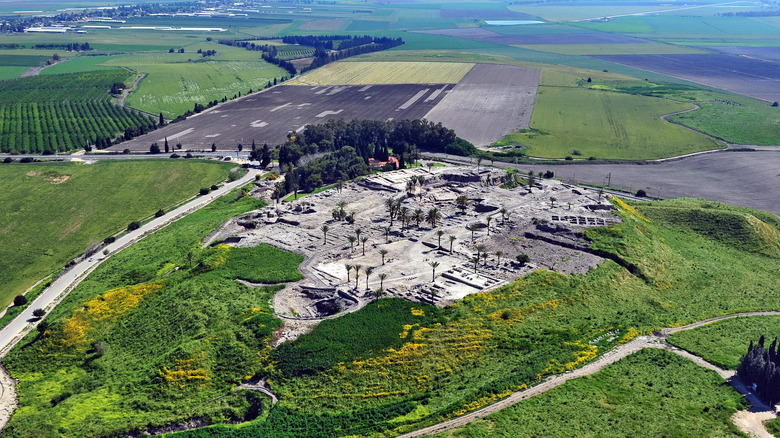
752	421
121	100
35	71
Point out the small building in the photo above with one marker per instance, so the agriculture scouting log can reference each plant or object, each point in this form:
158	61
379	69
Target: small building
376	164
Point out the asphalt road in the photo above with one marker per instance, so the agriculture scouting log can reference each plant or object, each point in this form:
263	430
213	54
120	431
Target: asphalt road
59	289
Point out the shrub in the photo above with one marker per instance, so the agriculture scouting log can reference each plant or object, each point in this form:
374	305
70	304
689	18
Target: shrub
109	239
134	225
523	259
641	193
568	158
27	160
204	191
20	300
214	187
8	160
38	313
160	213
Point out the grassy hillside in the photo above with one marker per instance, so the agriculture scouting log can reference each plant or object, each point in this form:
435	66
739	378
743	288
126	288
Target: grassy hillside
53	211
650	394
724	343
423	365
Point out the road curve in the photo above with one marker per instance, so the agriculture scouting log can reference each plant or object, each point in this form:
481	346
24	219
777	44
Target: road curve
15	330
615	354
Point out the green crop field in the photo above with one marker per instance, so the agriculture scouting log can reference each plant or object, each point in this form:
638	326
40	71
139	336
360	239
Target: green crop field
606	125
176	81
79	64
724	343
615	49
52	212
652	393
62	112
426	364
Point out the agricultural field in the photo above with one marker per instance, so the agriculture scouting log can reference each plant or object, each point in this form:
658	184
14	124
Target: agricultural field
15	62
268	116
743	75
617	401
175	82
62	112
52	212
442	362
724	343
369	73
608	125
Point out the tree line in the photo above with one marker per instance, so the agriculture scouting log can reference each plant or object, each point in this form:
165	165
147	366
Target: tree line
761	366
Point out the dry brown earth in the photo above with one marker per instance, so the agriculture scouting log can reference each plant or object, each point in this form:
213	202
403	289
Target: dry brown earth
489	102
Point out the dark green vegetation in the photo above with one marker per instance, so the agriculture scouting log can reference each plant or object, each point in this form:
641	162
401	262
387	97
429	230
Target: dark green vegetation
761	366
443	363
354	336
724	343
652	393
63	112
52	212
160	332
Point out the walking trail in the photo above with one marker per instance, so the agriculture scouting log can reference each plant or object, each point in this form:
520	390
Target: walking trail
749	421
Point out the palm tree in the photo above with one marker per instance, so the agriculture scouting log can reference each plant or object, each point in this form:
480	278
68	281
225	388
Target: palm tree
503	212
480	249
352	240
369	270
489	218
484	258
433	216
357	274
382	277
325	230
387	234
392	207
349	268
462	202
452	239
363	240
410	186
439	233
471	228
357	233
552	201
498	254
383	253
434	265
475	260
531	181
418	216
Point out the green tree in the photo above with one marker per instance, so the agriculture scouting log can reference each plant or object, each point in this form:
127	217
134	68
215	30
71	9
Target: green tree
434	265
351	240
439	233
433	216
452	239
369	270
471	228
383	253
325	230
382	277
498	254
363	240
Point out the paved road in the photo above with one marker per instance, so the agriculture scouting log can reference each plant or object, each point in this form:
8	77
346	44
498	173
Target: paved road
12	332
610	357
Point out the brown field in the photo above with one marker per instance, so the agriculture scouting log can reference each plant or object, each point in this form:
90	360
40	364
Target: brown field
748	179
268	116
489	36
490	102
758	78
365	73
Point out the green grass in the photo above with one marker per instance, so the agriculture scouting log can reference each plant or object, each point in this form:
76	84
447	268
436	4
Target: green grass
752	122
353	336
607	125
415	371
724	343
80	63
172	353
46	224
174	83
11	72
652	393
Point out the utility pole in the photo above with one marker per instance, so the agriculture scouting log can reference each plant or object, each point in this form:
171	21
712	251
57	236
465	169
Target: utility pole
609	179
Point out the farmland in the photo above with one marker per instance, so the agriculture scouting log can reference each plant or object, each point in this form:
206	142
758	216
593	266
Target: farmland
367	73
62	112
268	116
724	343
176	81
614	403
52	212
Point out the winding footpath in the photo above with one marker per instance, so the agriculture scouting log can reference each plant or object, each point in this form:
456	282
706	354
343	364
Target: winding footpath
15	330
749	421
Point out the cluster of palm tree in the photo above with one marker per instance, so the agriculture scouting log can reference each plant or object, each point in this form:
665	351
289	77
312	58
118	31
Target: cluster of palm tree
397	211
413	183
368	271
